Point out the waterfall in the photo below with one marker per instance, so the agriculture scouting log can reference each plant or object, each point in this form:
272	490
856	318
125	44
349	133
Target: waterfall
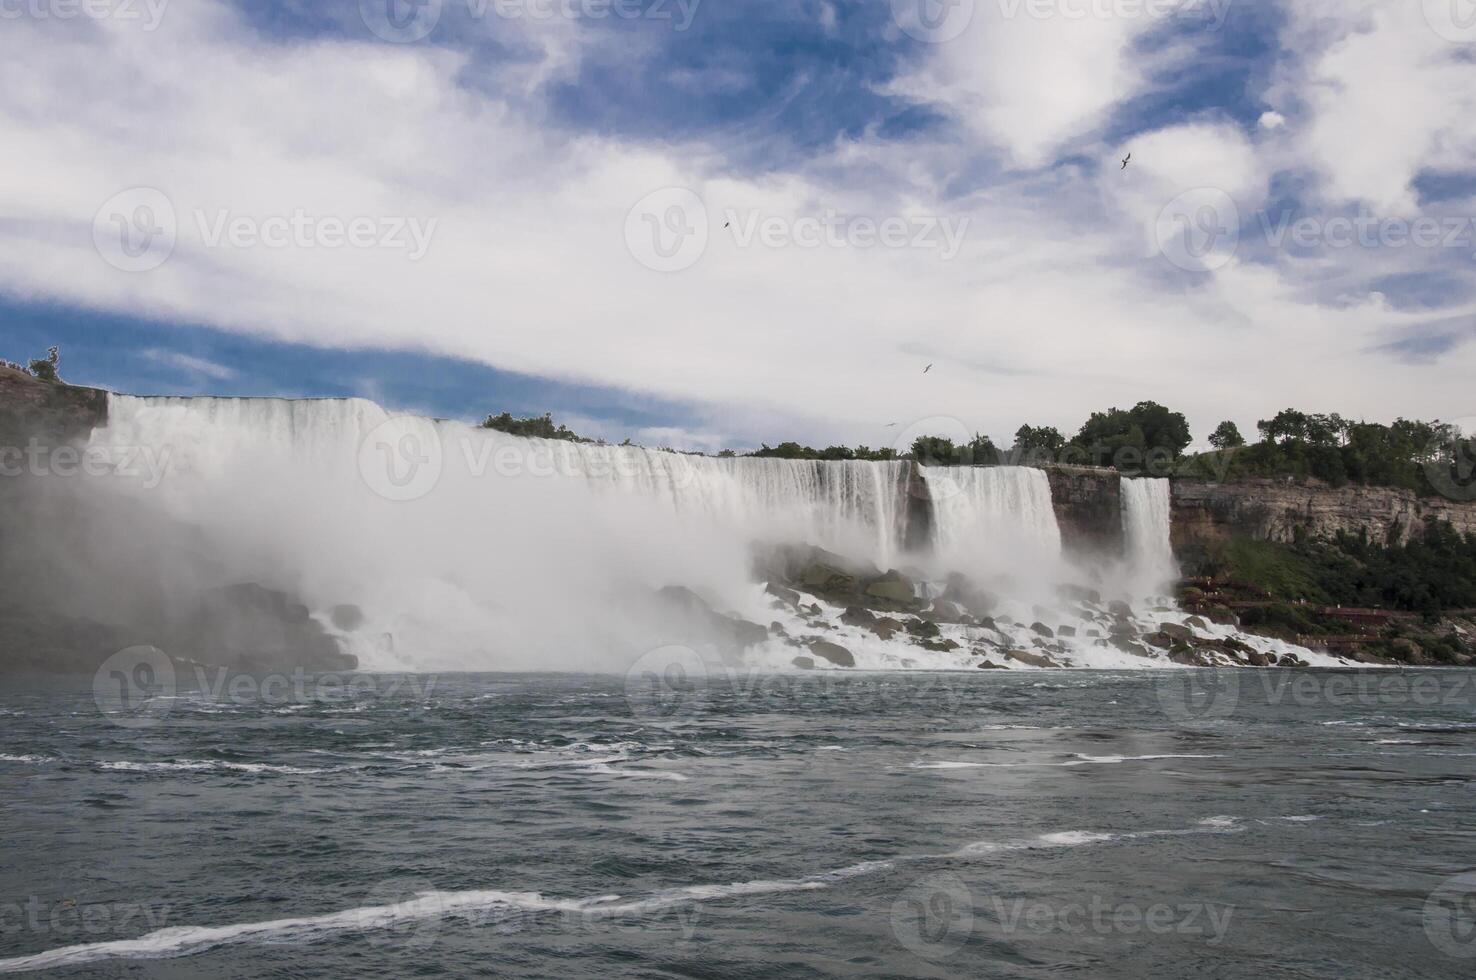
1146	527
1000	508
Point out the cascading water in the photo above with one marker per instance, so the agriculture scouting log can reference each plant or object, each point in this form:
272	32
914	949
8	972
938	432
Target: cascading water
1003	506
1146	515
466	548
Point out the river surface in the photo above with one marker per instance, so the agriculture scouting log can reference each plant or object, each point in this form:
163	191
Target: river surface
1044	824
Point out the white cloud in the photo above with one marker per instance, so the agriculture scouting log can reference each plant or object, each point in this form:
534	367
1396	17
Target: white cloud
1048	312
1272	120
188	362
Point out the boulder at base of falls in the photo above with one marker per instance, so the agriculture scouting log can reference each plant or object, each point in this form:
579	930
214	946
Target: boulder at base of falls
943	611
833	652
700	623
987	665
803	663
923	628
1043	630
974	600
885	627
251	627
1120	609
788	597
938	646
1067	631
1034	660
857	616
347	617
1177	632
892	592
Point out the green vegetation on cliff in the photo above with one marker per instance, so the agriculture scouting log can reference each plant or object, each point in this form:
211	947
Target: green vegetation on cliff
1433	573
534	427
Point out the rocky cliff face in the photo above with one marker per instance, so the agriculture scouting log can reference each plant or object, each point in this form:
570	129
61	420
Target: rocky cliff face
1274	510
49	412
1088	505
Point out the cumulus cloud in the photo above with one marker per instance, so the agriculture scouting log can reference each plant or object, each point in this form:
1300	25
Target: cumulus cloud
538	255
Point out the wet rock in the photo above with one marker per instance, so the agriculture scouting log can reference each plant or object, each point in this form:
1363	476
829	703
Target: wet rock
885	627
892	592
1079	593
987	622
803	663
1067	631
858	616
1160	640
833	652
1182	633
987	665
1194	622
922	628
938	646
1119	608
943	611
1033	659
1043	630
963	592
789	597
1257	659
346	617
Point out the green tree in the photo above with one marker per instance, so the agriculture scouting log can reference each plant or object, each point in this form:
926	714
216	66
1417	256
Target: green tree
1226	436
46	368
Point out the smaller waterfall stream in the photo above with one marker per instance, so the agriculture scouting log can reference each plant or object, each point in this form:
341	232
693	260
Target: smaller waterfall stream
1146	515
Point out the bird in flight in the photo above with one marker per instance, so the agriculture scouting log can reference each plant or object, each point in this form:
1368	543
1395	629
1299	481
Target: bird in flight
1125	161
727	223
890	425
927	369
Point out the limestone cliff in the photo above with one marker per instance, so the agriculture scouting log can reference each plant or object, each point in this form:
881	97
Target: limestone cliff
1274	510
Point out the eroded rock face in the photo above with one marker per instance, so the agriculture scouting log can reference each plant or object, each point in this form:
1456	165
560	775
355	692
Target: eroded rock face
1274	510
833	652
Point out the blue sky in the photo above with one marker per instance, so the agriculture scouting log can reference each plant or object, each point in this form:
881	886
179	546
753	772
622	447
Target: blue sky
537	152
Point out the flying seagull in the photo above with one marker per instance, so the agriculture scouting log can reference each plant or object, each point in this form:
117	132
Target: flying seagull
1125	161
727	223
890	425
927	369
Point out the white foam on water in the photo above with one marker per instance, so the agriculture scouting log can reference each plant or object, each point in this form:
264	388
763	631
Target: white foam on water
179	941
206	765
